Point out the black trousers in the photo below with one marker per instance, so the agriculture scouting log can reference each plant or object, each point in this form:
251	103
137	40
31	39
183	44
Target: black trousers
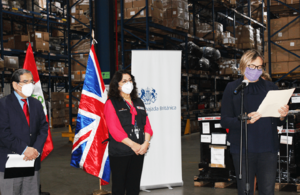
263	165
126	174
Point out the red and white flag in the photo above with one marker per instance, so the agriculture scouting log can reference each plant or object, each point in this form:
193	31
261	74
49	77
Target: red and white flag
29	64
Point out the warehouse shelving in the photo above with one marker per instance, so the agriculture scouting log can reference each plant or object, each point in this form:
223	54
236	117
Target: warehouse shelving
46	19
135	27
278	8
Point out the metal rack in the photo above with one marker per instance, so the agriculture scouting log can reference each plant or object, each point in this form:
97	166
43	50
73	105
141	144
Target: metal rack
269	9
46	19
227	15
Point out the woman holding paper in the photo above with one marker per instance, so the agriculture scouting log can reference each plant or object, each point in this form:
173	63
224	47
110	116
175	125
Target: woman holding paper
129	133
263	144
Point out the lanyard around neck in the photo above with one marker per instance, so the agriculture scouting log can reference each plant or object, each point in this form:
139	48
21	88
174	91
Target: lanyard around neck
127	104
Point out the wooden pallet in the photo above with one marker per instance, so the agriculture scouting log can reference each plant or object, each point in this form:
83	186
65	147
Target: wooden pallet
287	187
228	184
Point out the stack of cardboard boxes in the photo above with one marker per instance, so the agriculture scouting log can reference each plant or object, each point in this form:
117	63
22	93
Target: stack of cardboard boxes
246	37
205	30
170	13
58	108
256	11
289	38
228	67
39	41
74	106
176	13
40	64
228	39
78	71
11	62
81	12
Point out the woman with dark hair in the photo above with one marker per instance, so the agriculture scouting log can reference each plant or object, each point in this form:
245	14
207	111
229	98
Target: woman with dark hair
129	133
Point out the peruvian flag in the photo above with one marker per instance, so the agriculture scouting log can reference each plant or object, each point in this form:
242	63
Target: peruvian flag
30	65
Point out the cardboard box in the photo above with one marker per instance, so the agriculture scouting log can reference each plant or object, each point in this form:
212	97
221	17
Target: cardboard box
57	121
74	110
281	55
39	36
84	19
83	75
277	24
83	8
248	46
293	65
273	57
21	41
75	94
58	105
130	12
128	3
8	41
294	28
76	76
56	96
73	21
58	113
139	3
57	33
157	13
293	58
288	44
280	67
11	62
40	46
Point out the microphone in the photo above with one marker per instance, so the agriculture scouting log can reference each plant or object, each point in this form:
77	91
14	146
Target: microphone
241	86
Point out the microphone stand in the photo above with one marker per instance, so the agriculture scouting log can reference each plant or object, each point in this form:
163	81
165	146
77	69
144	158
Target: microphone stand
243	118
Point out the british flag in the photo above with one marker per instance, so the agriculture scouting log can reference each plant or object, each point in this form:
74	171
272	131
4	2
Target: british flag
90	148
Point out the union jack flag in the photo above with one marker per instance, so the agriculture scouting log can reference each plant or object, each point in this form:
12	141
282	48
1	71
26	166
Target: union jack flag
90	150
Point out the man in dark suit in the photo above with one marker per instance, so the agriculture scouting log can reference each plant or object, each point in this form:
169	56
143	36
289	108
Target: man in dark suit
23	131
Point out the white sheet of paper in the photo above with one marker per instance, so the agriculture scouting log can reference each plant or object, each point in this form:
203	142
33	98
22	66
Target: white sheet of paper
205	139
16	160
295	100
286	139
273	101
218	125
217	156
218	138
205	128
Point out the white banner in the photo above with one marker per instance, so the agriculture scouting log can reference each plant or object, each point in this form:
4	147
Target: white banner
158	78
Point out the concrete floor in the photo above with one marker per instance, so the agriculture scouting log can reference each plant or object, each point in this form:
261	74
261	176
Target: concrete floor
59	178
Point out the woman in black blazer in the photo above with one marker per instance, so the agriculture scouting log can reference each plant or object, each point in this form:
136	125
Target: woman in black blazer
263	144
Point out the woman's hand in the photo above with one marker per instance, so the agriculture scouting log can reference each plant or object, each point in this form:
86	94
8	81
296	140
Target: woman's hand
254	117
283	111
144	148
136	148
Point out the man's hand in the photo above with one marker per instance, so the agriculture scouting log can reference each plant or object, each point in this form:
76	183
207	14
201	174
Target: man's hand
30	154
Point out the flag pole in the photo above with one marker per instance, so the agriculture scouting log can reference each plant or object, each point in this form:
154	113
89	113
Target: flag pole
100	191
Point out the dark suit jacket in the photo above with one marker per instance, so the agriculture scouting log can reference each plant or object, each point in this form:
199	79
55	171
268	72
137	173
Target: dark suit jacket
15	134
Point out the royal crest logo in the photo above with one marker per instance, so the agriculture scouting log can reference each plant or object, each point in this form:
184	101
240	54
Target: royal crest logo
148	95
